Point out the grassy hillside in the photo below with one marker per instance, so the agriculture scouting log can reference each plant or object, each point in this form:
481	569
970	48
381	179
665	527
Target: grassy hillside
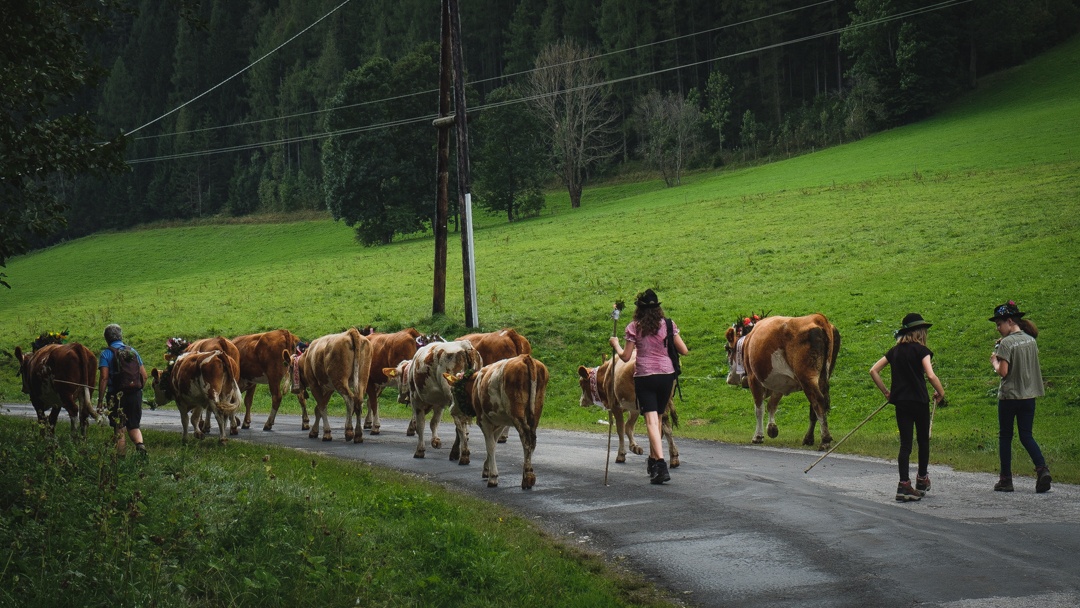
948	217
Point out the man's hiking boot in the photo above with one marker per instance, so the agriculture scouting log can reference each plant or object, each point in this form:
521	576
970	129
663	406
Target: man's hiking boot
922	483
660	472
140	450
1043	479
906	493
1004	485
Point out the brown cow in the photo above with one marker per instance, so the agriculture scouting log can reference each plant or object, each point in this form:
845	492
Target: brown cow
596	389
420	383
260	363
498	345
200	381
228	348
506	393
785	354
387	351
336	363
59	375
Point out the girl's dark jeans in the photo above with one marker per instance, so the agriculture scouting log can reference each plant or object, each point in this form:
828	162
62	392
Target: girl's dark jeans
1023	410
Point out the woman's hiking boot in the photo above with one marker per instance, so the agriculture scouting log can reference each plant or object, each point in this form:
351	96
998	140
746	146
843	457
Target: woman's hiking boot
660	472
1004	484
922	483
906	493
650	466
1042	480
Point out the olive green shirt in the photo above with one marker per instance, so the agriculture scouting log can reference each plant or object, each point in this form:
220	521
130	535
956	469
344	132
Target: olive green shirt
1024	380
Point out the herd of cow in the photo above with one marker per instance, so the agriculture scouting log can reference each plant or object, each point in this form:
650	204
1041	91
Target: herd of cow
489	377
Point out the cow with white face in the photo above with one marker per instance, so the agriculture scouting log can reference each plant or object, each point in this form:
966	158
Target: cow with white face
200	381
59	376
388	350
782	355
336	363
505	393
619	397
421	383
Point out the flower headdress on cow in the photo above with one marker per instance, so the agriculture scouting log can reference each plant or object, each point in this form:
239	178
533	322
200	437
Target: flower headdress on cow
459	392
745	324
50	337
174	347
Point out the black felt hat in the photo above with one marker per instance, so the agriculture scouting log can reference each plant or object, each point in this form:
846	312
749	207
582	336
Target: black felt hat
912	320
647	299
1007	310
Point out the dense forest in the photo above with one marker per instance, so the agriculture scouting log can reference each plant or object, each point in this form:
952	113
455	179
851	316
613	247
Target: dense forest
338	116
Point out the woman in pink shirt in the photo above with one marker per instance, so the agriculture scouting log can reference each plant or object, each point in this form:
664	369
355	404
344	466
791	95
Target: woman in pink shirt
654	373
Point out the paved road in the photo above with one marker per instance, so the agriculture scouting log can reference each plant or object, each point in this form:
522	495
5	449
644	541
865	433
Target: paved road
742	525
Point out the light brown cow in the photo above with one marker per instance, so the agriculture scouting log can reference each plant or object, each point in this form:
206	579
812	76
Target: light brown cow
387	351
229	349
596	389
336	363
498	345
260	363
506	393
782	355
199	381
420	382
59	375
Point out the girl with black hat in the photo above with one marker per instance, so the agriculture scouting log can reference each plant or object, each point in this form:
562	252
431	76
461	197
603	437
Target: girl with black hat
908	361
1016	360
654	372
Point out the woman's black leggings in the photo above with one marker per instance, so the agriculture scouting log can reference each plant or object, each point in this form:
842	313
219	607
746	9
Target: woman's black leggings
913	414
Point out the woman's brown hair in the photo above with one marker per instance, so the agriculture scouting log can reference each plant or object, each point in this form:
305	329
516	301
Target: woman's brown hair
648	319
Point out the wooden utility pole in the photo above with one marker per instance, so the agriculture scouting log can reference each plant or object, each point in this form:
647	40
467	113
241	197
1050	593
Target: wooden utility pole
442	195
468	264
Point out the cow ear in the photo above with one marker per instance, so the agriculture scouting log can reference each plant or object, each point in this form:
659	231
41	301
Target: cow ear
583	371
729	335
389	372
450	378
18	354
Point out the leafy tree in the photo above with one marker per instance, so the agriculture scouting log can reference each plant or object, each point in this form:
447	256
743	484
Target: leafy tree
510	163
671	133
748	133
44	65
378	178
718	103
568	93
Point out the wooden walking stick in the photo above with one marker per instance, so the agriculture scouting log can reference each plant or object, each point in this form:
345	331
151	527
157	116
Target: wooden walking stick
874	413
615	312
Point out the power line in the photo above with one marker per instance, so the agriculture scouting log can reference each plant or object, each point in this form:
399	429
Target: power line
252	64
427	118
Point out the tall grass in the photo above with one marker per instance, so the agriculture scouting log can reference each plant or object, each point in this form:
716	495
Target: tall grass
247	525
948	217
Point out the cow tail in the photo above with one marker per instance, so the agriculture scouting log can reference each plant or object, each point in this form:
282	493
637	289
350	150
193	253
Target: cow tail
530	411
358	352
89	365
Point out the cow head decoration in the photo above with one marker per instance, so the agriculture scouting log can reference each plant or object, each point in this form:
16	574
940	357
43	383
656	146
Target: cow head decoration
424	340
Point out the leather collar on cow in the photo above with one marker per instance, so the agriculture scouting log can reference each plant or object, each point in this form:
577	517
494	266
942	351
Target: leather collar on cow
594	388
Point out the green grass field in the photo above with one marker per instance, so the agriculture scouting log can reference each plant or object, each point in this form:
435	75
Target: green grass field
948	217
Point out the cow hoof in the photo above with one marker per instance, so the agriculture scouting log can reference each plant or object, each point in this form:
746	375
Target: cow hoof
824	447
327	437
367	425
528	481
246	425
267	428
349	435
757	439
305	426
773	431
313	435
502	440
464	459
637	449
674	464
621	458
374	431
493	482
223	441
418	455
234	431
484	475
410	433
826	439
808	440
436	443
358	438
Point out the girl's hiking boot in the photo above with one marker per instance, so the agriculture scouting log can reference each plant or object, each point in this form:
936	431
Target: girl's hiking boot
906	493
1043	479
650	466
922	483
1004	485
660	472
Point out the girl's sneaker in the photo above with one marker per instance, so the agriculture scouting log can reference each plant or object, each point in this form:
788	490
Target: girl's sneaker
922	483
906	493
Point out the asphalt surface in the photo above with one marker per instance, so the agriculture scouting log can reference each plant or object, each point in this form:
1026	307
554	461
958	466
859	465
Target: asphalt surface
742	525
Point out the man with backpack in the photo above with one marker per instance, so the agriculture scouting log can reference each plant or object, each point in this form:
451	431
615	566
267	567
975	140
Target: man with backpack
123	374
